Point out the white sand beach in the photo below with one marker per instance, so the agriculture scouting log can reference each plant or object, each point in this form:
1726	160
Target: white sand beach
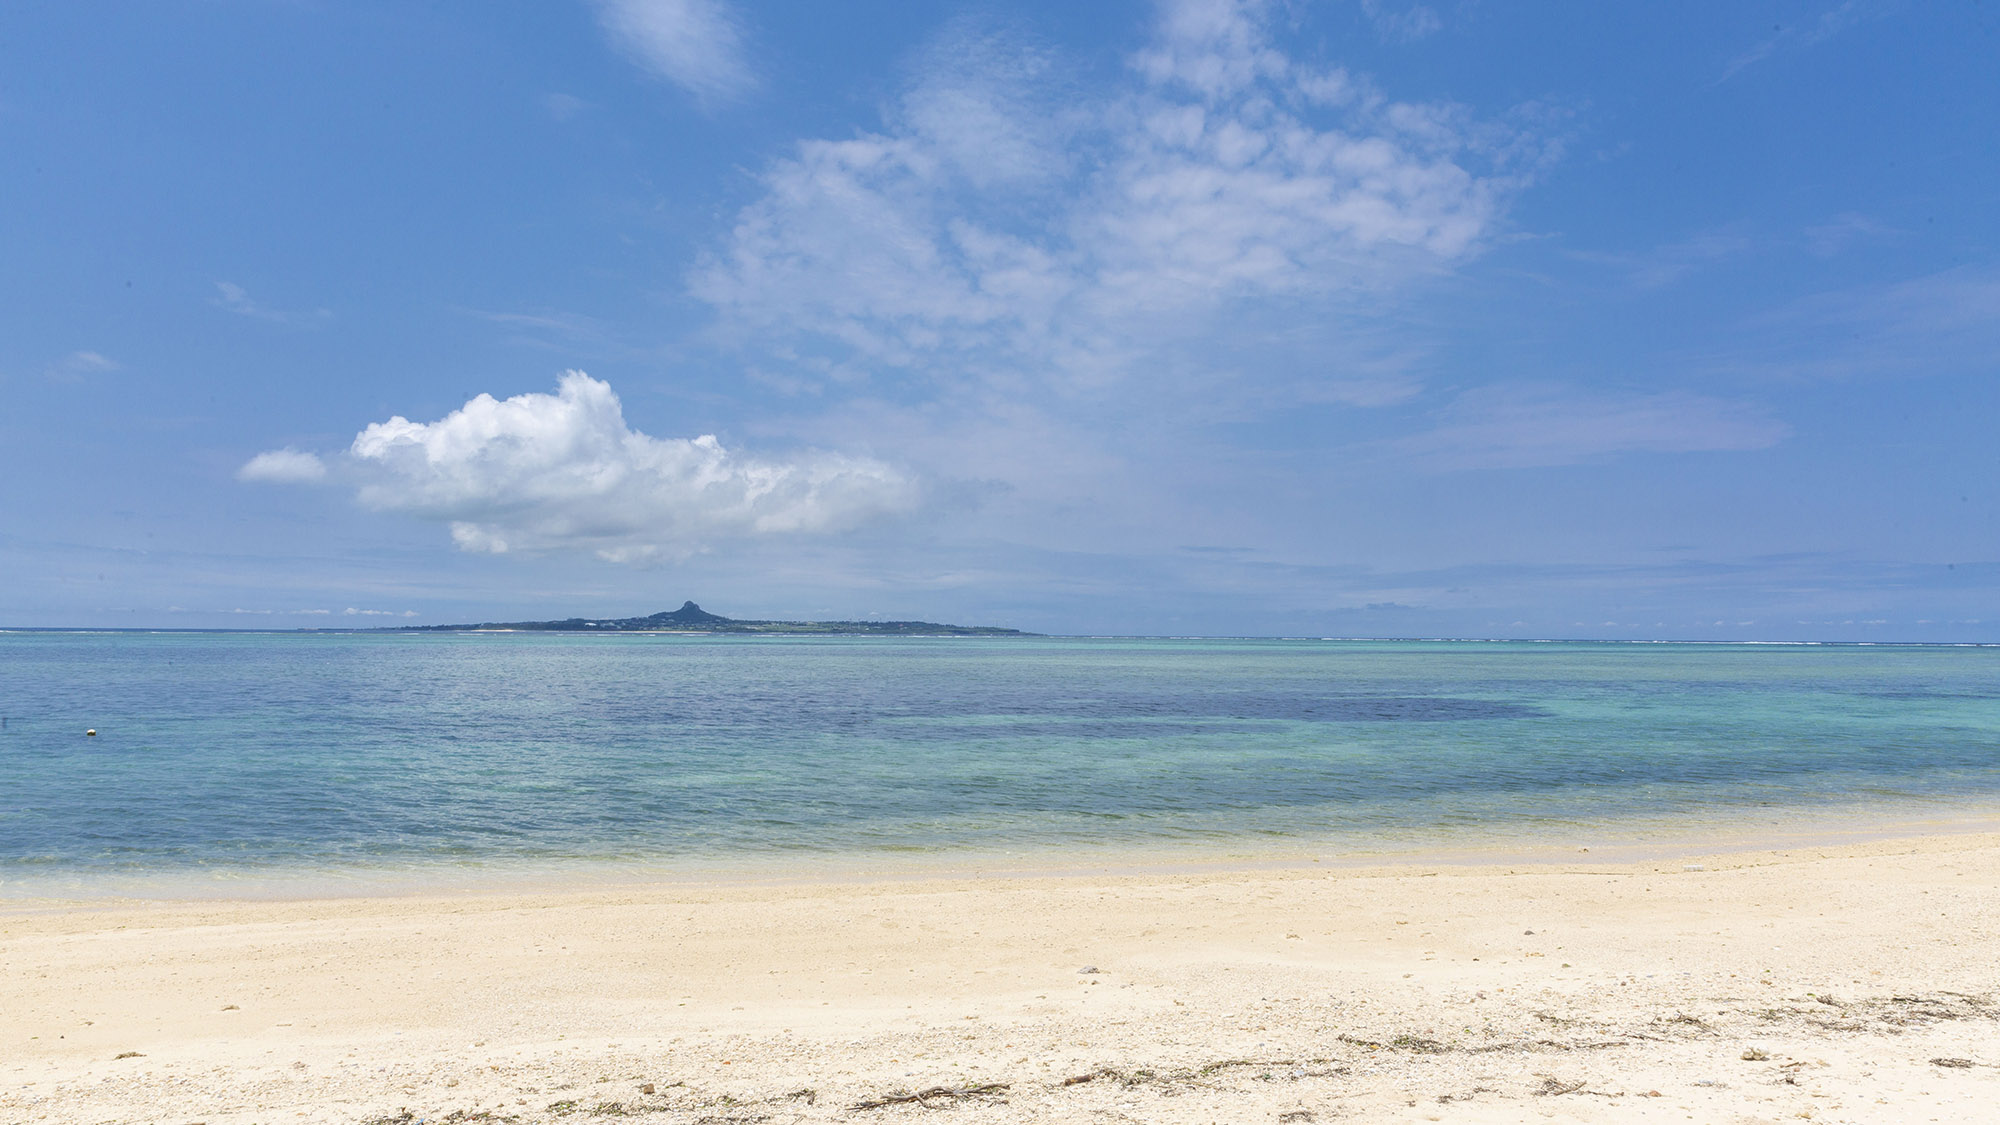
1855	982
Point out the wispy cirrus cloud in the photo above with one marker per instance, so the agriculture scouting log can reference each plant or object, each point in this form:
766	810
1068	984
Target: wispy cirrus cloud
563	107
999	227
1844	230
1666	264
350	611
79	365
232	297
542	472
1830	23
1941	323
1399	22
1532	425
548	328
695	44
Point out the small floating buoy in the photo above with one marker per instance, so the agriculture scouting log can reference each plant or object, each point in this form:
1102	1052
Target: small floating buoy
91	733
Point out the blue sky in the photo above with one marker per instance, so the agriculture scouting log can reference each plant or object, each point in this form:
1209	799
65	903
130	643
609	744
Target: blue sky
1345	318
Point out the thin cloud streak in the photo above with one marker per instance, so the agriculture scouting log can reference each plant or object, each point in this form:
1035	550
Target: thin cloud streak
231	297
79	365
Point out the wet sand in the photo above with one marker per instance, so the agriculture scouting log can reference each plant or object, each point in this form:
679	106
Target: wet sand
1848	982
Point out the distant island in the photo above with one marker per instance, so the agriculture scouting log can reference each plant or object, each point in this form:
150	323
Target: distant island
691	618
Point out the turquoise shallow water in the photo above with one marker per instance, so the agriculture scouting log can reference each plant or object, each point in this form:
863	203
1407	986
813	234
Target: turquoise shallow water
267	756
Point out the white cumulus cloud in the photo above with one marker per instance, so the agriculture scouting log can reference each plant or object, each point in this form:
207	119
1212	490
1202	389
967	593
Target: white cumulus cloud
563	471
696	44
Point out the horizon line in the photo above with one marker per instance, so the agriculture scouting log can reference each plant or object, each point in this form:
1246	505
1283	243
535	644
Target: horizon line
1019	635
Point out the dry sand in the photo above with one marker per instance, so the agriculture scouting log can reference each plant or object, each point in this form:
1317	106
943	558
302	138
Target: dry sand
1848	983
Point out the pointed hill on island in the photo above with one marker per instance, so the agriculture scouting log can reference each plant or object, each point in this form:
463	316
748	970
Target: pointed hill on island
691	618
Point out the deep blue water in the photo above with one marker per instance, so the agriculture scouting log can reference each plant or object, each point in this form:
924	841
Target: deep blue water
246	755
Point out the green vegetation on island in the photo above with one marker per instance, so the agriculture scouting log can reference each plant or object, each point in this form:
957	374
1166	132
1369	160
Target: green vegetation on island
691	618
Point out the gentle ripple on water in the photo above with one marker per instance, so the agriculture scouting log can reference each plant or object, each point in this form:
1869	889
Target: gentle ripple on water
233	752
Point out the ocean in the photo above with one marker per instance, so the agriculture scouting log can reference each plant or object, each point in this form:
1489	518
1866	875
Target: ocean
242	762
